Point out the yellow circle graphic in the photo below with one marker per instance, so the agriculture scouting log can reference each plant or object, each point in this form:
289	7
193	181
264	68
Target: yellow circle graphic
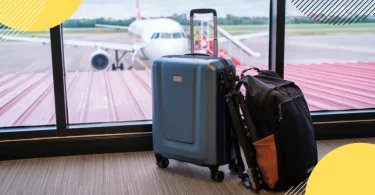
349	169
36	15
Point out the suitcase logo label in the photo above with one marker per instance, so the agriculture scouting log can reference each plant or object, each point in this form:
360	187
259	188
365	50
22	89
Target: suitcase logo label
177	79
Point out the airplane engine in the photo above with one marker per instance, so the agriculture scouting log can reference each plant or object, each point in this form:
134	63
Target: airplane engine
99	60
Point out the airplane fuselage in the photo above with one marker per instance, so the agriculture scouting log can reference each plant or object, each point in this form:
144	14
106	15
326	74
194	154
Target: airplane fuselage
159	37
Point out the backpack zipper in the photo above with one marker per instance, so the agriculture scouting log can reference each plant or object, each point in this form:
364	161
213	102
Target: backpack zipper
284	91
267	93
284	102
280	113
264	97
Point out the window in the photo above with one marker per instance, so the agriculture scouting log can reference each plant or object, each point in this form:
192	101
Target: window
333	64
100	84
183	35
246	21
100	88
176	35
26	82
104	85
166	35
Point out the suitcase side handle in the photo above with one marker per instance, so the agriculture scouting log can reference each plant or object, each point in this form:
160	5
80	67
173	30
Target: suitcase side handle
203	11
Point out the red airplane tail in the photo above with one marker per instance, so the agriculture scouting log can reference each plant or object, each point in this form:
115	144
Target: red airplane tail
138	10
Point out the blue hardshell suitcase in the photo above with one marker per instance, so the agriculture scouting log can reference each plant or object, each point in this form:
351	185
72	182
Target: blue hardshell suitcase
189	110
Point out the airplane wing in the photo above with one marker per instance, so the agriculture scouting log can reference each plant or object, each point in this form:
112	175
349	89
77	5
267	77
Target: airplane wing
102	45
112	26
244	36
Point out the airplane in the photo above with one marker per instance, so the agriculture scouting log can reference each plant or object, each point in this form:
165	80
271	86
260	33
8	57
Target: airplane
151	39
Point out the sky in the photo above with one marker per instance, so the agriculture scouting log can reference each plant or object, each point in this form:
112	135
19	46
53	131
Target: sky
124	9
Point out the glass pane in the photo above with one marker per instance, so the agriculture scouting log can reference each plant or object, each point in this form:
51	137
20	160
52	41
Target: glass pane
176	35
333	63
107	82
26	82
242	33
183	35
166	35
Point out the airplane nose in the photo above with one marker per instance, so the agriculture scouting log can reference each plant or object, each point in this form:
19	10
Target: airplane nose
174	48
183	48
178	49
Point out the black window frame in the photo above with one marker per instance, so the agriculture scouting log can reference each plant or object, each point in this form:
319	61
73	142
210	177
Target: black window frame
328	124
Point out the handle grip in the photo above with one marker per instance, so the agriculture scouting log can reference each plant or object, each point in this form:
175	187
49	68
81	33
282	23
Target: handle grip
197	54
202	11
243	72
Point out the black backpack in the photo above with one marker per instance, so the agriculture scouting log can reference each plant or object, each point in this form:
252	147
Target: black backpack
273	126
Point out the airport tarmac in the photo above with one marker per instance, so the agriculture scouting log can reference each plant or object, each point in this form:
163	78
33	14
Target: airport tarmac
23	57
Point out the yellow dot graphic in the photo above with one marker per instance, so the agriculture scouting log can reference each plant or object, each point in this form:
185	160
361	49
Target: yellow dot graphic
349	169
36	15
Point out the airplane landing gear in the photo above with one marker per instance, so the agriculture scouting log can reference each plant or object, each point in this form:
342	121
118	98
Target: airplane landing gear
121	67
117	64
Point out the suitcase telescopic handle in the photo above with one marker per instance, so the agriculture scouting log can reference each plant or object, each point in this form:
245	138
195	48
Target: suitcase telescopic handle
203	11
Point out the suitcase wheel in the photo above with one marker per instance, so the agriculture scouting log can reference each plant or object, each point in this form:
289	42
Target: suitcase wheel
218	176
163	162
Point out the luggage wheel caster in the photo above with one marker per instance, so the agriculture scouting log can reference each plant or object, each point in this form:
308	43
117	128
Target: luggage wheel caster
163	163
217	176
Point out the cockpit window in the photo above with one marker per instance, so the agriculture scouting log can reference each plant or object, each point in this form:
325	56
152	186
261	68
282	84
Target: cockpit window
166	35
176	35
183	35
